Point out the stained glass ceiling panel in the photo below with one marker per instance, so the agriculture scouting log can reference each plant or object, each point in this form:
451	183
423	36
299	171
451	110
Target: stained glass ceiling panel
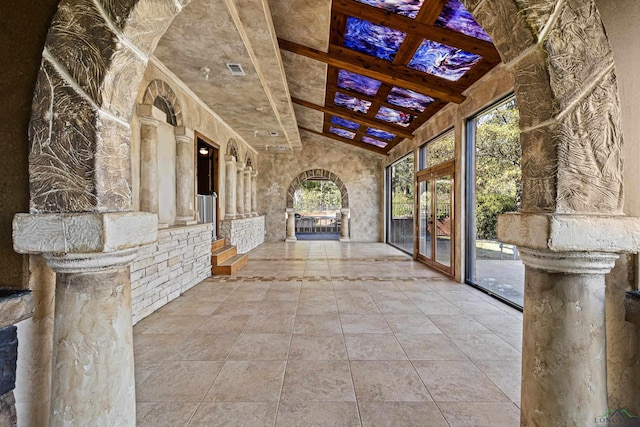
455	17
371	141
394	116
409	99
380	134
343	133
352	103
408	8
375	40
358	83
344	123
443	61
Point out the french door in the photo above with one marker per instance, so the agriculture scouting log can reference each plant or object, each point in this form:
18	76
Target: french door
435	220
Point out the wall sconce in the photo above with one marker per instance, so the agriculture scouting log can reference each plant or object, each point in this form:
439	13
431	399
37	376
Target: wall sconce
204	151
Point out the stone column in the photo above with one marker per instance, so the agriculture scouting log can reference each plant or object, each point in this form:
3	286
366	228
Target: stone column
564	362
247	191
254	193
93	372
291	225
150	117
344	225
185	176
230	187
240	190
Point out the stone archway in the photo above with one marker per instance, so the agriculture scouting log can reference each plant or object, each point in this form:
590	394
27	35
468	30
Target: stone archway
160	94
79	163
317	174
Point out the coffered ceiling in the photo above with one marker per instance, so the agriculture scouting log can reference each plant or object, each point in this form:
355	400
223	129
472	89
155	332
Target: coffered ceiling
364	72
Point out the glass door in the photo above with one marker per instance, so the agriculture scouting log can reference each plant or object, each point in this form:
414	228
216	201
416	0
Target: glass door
435	225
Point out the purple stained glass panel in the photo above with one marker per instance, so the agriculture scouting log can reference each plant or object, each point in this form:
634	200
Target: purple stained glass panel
380	134
371	141
455	17
344	123
343	133
409	99
375	40
408	8
358	83
352	103
394	116
443	61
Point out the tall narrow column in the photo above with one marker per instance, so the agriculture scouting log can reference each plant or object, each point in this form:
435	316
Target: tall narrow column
291	225
150	117
344	225
93	373
240	190
564	348
230	187
247	191
254	193
185	176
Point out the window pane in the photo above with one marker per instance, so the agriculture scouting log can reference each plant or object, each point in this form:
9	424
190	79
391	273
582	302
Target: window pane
441	150
498	189
401	203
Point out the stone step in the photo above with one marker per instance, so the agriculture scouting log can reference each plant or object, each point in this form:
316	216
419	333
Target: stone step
231	265
217	244
221	255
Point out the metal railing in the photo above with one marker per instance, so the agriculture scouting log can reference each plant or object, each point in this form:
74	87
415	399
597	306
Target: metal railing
318	224
207	210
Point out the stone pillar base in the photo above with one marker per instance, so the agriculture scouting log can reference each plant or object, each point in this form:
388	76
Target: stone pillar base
345	239
162	225
186	221
290	240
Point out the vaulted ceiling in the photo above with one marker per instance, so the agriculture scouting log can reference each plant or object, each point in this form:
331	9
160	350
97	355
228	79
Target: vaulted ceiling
364	72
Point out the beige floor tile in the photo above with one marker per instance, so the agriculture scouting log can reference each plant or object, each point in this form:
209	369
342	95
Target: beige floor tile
318	347
411	324
237	308
317	324
317	307
316	295
235	414
318	284
457	381
515	340
357	306
396	414
178	381
281	295
501	323
173	324
481	414
277	308
388	381
374	347
473	308
364	324
424	296
202	346
192	306
505	374
164	414
248	381
261	347
224	324
398	307
387	295
269	324
457	324
485	347
155	348
318	414
430	347
318	381
344	285
439	307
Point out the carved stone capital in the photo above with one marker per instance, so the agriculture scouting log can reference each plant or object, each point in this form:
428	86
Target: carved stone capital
89	263
150	115
345	211
290	211
570	233
184	134
83	233
240	167
568	262
230	160
254	174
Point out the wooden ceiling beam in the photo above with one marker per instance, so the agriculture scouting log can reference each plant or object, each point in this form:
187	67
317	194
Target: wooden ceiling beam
368	147
413	26
382	70
355	117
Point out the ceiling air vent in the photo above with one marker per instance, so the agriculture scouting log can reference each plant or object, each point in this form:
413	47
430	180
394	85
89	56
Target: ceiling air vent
236	69
273	133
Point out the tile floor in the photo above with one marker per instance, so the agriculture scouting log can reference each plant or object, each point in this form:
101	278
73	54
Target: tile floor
329	334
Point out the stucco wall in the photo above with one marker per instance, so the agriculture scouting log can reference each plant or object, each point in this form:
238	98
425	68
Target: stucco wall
359	170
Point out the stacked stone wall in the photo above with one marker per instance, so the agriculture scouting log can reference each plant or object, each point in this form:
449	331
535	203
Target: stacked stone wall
244	233
179	260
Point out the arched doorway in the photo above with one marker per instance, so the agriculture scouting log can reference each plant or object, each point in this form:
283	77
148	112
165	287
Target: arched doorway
315	224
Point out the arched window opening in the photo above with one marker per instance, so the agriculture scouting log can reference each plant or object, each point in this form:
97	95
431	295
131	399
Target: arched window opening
165	106
317	204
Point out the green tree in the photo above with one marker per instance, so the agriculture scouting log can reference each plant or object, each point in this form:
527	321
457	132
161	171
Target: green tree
498	167
317	196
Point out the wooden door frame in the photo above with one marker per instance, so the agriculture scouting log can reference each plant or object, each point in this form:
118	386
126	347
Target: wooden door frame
432	173
216	167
